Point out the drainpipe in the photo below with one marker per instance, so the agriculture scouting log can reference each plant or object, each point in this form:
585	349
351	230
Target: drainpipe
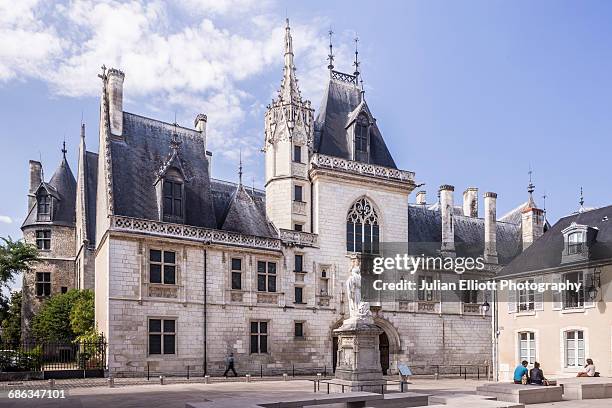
205	367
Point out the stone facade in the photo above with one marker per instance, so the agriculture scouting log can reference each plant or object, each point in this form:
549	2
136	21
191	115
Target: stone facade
207	316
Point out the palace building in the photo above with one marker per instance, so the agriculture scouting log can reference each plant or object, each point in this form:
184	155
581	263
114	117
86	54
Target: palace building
187	268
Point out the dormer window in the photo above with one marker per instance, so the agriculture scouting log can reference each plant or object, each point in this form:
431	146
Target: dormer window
43	207
173	199
171	194
575	243
361	138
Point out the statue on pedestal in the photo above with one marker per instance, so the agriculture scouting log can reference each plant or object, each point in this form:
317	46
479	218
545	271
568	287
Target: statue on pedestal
357	308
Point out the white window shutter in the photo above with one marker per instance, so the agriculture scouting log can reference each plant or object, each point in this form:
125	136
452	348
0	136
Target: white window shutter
538	296
587	281
511	301
557	297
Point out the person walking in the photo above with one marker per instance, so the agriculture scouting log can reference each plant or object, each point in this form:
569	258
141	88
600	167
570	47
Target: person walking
229	363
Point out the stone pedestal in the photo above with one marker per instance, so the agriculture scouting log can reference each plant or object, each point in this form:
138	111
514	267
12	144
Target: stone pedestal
358	366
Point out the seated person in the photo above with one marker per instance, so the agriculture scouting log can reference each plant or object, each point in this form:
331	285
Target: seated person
520	371
588	370
536	375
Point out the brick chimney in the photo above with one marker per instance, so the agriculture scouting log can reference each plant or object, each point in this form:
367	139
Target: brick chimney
200	126
490	227
421	198
470	202
115	100
35	180
446	212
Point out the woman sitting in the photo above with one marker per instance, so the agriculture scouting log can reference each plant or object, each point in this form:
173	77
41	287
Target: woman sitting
536	375
588	370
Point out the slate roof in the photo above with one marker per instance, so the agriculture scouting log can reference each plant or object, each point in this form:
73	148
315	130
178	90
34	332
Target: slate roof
425	235
62	187
247	215
340	102
91	185
138	158
545	253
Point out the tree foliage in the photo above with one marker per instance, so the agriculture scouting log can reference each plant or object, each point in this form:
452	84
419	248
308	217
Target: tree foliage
64	317
11	321
15	257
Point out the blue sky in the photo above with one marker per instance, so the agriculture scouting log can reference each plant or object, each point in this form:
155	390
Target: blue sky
468	93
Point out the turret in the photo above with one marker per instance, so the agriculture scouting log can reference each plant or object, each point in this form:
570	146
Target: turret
288	145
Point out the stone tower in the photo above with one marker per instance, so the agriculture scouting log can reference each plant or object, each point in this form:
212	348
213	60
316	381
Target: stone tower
50	225
288	146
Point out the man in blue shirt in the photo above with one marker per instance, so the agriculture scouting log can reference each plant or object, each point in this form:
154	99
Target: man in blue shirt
520	371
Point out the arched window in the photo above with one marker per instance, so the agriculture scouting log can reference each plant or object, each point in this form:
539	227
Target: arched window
362	228
361	138
44	207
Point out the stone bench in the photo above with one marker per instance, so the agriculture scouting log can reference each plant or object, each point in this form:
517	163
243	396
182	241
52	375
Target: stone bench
400	400
471	401
586	388
524	394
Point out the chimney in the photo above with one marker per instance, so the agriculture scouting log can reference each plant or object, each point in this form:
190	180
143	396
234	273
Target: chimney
200	126
421	198
490	227
35	180
209	158
470	202
115	100
446	211
532	225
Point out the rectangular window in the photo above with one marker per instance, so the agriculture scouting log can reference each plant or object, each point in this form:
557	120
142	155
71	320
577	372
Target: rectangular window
43	283
297	193
298	227
298	263
236	273
298	329
162	267
162	336
527	347
526	298
43	240
574	348
259	337
470	296
173	198
266	276
43	209
297	154
299	294
574	299
425	294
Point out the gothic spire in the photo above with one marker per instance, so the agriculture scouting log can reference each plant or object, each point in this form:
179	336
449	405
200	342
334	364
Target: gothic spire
240	169
289	89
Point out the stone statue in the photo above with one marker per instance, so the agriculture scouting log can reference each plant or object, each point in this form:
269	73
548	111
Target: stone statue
357	308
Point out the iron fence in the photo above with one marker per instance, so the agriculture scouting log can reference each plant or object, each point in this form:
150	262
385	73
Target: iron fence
52	356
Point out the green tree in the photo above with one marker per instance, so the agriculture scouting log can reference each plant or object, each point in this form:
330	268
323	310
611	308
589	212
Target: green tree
11	323
82	316
15	257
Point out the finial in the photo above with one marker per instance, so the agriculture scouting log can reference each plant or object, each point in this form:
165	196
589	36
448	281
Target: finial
103	74
253	183
64	151
240	167
530	187
544	197
82	130
330	57
356	63
581	201
175	142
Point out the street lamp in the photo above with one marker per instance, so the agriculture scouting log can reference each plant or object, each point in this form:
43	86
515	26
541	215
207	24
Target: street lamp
595	284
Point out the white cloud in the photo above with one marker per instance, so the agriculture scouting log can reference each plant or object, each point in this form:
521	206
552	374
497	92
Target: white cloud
189	56
6	219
